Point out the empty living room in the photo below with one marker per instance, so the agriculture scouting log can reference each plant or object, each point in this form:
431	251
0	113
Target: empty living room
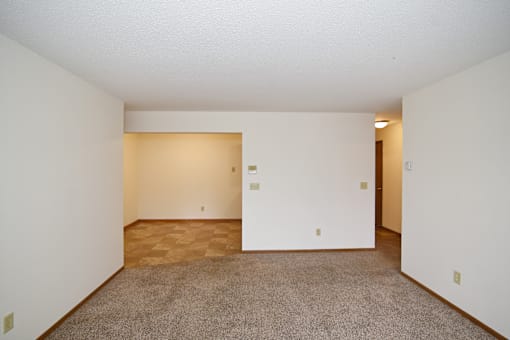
212	170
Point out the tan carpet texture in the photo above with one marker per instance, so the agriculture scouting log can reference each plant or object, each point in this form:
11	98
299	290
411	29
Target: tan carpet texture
331	295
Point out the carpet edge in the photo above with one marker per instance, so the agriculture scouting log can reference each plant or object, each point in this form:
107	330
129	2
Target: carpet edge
454	307
85	299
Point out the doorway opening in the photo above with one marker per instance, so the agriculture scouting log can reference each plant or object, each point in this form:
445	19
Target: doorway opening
388	185
378	182
182	197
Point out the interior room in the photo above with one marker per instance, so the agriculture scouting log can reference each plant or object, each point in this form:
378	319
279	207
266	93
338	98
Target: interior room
182	197
212	170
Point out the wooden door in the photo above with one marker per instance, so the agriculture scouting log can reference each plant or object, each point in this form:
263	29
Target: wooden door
378	182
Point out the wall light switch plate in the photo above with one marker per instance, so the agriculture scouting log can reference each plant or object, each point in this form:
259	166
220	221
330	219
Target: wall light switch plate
363	185
252	169
254	186
409	165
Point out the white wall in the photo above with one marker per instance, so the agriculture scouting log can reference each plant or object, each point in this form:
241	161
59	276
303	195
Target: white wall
130	142
61	191
456	200
310	168
180	173
391	136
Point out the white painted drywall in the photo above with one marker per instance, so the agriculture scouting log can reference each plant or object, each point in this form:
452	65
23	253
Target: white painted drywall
456	199
309	168
61	191
180	173
391	136
130	178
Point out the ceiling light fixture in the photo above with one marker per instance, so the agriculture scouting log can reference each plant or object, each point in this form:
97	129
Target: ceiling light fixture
379	124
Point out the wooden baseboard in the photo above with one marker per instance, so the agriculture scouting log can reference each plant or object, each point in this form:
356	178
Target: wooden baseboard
182	220
131	224
388	229
190	220
460	311
305	251
68	314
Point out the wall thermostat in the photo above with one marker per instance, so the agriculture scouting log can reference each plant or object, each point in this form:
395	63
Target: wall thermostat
252	169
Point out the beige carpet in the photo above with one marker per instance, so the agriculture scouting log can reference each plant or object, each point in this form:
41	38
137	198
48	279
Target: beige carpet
342	295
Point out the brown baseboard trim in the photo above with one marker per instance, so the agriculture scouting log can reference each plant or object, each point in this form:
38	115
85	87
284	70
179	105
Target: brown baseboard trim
460	311
131	224
305	251
182	220
190	220
388	229
68	314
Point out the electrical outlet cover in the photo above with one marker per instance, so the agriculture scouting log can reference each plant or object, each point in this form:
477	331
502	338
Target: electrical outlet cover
8	322
456	277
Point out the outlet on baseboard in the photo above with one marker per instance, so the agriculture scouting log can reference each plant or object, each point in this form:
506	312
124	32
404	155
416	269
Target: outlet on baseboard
202	208
318	231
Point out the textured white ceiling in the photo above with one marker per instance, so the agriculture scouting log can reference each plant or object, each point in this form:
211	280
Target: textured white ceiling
261	55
